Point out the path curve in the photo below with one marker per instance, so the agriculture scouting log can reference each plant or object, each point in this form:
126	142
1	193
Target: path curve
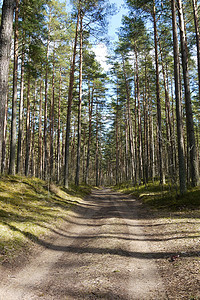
101	253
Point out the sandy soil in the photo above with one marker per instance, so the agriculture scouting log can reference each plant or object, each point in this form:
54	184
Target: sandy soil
107	249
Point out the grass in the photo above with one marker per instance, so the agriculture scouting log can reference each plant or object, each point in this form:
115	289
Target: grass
29	209
163	197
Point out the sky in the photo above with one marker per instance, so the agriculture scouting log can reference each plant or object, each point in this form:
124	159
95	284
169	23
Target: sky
101	50
115	21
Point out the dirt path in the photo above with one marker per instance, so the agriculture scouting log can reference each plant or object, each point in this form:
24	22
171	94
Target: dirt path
101	253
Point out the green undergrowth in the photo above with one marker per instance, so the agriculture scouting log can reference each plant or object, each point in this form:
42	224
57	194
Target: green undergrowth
29	209
163	197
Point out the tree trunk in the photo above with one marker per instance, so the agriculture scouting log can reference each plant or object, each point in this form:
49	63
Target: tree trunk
28	133
3	162
196	23
45	115
5	45
117	140
139	122
181	159
90	133
33	136
188	106
126	146
130	125
80	102
70	95
152	147
14	97
52	121
146	131
21	103
97	146
58	130
168	119
40	135
159	118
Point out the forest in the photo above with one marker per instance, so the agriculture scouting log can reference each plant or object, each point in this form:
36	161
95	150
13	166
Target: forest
64	119
99	160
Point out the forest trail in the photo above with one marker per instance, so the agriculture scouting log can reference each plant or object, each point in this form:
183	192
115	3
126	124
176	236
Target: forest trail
100	253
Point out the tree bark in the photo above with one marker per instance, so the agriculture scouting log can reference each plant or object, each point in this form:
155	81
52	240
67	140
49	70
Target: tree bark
90	133
21	103
130	125
140	165
3	162
159	118
97	146
28	133
14	96
52	121
117	172
33	136
196	23
181	159
39	173
168	119
6	30
58	131
80	102
46	156
188	105
70	95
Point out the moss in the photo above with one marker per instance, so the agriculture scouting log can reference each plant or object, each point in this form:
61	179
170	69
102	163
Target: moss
163	197
30	208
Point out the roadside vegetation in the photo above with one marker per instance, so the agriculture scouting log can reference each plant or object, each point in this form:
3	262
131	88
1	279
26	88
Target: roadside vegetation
29	209
163	197
175	228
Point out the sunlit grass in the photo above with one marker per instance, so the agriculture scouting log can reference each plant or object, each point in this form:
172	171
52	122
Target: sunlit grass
163	197
30	208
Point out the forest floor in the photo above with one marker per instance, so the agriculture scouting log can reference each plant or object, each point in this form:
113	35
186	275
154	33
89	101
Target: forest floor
110	247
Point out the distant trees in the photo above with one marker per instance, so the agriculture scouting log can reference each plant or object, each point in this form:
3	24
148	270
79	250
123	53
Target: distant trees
59	121
43	91
158	148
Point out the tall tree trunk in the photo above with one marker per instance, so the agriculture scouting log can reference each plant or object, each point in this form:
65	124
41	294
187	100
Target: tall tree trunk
168	118
140	165
52	121
40	135
14	97
126	146
46	156
80	102
146	131
181	159
5	45
196	23
188	105
28	133
159	118
70	95
136	136
84	154
3	162
130	124
58	131
97	146
117	139
33	136
152	146
21	103
91	100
